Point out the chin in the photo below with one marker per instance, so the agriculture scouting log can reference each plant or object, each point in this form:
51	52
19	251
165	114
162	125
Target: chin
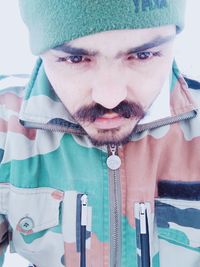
110	137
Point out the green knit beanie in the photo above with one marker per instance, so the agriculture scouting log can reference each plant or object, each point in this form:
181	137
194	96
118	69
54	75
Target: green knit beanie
53	22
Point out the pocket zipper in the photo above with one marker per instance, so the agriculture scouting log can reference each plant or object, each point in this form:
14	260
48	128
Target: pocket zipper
84	207
144	236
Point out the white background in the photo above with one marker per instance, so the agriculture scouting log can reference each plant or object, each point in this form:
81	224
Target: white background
15	56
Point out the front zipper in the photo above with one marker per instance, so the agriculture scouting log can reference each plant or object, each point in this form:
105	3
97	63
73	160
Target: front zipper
84	209
164	122
115	210
53	128
144	236
139	128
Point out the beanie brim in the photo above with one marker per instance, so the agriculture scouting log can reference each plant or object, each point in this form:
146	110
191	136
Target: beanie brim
52	22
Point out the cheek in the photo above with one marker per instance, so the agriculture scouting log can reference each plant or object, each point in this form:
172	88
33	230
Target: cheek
70	93
71	90
147	83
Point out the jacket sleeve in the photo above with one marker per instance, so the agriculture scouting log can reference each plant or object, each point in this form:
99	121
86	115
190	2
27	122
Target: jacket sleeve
9	105
3	238
3	221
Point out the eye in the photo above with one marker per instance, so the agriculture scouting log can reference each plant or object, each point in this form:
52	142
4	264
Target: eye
143	55
74	59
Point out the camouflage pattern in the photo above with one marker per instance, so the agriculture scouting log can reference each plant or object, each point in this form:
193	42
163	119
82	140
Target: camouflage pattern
47	164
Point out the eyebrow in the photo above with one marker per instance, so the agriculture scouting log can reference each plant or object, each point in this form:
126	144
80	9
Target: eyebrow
157	41
68	49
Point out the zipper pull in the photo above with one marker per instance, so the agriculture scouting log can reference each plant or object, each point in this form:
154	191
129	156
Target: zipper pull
142	214
84	206
113	161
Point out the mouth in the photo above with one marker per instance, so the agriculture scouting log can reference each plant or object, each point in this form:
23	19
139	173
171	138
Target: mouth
109	121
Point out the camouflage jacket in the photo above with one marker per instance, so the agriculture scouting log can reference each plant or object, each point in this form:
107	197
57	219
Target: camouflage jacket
60	204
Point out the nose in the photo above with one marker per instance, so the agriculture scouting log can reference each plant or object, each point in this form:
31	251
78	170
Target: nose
109	91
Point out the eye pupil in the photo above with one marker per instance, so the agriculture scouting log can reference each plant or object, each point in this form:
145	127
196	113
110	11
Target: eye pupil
76	59
143	55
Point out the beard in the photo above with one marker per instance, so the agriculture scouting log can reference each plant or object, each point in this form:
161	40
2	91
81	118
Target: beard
129	111
110	137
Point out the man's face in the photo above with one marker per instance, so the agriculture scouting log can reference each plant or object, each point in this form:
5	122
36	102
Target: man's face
107	81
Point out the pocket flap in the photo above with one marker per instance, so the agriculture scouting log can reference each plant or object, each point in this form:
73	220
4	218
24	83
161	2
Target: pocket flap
178	220
33	210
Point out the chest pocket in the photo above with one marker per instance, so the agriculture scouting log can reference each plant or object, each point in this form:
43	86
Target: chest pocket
178	228
30	213
33	210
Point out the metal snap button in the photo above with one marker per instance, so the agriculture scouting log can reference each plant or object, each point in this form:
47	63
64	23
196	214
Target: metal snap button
26	224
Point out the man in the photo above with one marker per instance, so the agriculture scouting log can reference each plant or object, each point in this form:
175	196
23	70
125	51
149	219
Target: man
99	153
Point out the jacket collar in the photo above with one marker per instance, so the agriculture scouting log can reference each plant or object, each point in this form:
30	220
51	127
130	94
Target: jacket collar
41	107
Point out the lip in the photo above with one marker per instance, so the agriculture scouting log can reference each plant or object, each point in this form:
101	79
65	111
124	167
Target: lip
109	121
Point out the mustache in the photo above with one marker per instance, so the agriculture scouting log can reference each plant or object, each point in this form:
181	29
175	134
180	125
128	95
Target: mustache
125	109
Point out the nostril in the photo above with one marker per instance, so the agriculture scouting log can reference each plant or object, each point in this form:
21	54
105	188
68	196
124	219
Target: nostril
108	100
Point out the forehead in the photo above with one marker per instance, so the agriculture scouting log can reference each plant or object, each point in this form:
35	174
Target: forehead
120	40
